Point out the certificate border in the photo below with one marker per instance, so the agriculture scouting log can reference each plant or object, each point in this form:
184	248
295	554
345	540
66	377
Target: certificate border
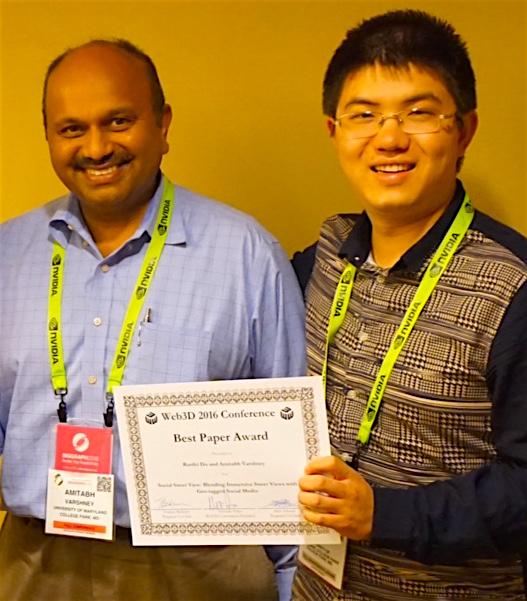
133	402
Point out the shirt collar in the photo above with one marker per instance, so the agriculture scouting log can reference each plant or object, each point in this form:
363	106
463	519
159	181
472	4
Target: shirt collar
67	218
357	246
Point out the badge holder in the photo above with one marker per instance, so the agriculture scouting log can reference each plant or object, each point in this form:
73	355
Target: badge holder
326	561
80	485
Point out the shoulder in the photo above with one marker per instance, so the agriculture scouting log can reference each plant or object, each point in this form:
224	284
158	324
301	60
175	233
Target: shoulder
27	229
494	259
227	236
511	243
206	216
336	230
333	233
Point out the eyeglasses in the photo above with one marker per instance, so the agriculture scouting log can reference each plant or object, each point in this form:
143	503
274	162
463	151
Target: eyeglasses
366	124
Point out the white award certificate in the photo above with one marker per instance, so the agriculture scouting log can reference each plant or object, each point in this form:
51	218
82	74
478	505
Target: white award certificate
218	463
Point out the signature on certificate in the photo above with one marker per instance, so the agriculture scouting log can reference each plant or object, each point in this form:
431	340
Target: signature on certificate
221	501
281	503
166	503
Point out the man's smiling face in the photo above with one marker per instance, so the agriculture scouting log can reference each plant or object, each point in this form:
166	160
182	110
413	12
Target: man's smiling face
400	175
105	139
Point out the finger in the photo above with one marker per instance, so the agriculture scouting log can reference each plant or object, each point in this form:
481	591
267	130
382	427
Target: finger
330	466
320	465
320	503
313	483
329	520
324	485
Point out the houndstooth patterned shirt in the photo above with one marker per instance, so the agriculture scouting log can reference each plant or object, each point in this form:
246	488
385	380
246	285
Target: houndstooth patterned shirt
448	454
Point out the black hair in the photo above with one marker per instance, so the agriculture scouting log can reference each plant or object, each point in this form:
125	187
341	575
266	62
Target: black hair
397	39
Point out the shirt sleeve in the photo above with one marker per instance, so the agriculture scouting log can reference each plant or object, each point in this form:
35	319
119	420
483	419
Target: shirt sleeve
481	514
278	333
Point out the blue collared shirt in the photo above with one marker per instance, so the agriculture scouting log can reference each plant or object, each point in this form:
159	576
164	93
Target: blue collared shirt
224	304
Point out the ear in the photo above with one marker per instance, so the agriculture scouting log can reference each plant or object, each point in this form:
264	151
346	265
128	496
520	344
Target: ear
165	124
467	131
331	125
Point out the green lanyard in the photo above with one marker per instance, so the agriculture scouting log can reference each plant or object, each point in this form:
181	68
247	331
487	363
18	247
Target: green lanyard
437	266
135	304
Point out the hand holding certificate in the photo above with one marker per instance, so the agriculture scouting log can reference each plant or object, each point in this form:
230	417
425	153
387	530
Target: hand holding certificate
218	462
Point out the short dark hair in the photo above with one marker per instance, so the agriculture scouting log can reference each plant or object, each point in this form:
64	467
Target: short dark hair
158	97
396	39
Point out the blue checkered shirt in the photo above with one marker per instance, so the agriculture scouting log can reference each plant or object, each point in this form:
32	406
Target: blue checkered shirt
224	304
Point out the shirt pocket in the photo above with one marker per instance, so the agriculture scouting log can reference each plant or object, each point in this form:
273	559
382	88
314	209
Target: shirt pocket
167	354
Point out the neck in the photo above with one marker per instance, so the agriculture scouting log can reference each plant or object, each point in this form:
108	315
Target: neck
110	232
390	240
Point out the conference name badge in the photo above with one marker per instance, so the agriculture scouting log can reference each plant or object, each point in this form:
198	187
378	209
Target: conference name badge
80	504
81	486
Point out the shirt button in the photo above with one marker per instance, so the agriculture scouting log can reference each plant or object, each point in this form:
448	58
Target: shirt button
363	336
105	268
92	379
97	321
84	244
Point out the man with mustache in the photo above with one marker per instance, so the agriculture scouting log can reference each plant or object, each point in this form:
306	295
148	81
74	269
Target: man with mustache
417	317
223	303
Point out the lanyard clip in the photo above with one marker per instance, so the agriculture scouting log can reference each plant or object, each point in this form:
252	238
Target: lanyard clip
108	415
356	455
62	410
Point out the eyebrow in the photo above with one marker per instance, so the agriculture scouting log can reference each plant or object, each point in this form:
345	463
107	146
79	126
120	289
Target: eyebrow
123	110
119	111
407	101
65	121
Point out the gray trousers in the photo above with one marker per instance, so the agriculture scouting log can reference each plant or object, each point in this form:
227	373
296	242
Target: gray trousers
39	567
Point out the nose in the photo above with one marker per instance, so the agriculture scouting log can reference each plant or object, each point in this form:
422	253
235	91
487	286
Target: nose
96	144
390	135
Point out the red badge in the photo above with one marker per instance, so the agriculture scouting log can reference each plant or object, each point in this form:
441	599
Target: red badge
83	449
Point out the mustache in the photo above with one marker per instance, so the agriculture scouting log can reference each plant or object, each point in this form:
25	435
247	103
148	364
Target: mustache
108	160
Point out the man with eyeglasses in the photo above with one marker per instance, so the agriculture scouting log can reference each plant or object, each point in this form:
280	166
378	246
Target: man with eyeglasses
417	320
